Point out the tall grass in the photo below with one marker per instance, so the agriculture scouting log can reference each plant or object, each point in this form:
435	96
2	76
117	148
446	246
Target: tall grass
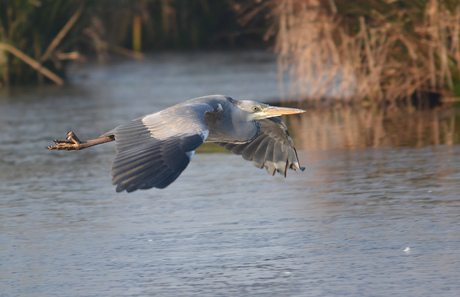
33	35
176	24
37	35
374	52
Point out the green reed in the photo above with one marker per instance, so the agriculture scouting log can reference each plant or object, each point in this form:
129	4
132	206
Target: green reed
29	39
37	37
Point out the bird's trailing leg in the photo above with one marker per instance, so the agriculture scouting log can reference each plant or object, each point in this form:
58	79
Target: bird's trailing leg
73	143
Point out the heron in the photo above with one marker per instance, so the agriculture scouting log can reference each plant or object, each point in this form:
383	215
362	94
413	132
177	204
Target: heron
153	150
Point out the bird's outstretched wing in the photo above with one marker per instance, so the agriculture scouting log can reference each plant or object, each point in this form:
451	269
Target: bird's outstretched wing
273	148
154	150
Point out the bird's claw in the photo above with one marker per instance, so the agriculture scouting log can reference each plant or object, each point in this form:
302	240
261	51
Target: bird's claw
71	143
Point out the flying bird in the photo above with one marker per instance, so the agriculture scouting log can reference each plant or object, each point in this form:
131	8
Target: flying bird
152	151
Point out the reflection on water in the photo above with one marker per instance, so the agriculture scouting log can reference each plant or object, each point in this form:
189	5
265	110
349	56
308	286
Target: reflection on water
373	187
348	127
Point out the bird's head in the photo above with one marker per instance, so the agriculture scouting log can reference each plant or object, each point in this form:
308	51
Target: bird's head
259	111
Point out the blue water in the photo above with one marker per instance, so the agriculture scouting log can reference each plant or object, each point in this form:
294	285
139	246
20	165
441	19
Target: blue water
377	221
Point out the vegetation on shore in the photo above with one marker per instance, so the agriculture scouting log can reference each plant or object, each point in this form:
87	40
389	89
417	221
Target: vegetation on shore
372	52
38	36
375	53
33	37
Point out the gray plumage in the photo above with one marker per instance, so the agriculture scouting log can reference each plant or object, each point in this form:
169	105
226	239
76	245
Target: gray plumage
152	151
272	148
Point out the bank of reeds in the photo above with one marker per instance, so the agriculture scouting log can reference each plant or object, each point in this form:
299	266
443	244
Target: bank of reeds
374	52
36	36
34	39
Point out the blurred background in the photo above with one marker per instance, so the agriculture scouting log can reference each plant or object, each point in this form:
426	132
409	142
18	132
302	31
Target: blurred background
374	214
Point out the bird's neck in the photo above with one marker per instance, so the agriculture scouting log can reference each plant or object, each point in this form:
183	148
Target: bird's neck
246	130
224	128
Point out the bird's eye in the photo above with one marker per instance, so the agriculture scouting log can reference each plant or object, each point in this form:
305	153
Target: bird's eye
255	108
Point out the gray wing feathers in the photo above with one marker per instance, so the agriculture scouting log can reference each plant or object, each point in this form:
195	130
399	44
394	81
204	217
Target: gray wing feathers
154	150
272	148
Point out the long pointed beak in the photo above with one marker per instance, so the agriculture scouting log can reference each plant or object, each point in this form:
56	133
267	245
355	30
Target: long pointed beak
274	111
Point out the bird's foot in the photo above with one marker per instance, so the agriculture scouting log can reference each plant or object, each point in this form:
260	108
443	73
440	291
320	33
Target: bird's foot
71	143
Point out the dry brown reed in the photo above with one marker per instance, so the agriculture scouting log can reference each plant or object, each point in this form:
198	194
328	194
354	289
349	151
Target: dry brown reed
383	57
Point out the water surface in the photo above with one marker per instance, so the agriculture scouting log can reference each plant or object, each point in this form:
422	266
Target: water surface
365	219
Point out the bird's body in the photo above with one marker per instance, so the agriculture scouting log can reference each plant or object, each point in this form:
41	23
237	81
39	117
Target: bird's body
152	151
